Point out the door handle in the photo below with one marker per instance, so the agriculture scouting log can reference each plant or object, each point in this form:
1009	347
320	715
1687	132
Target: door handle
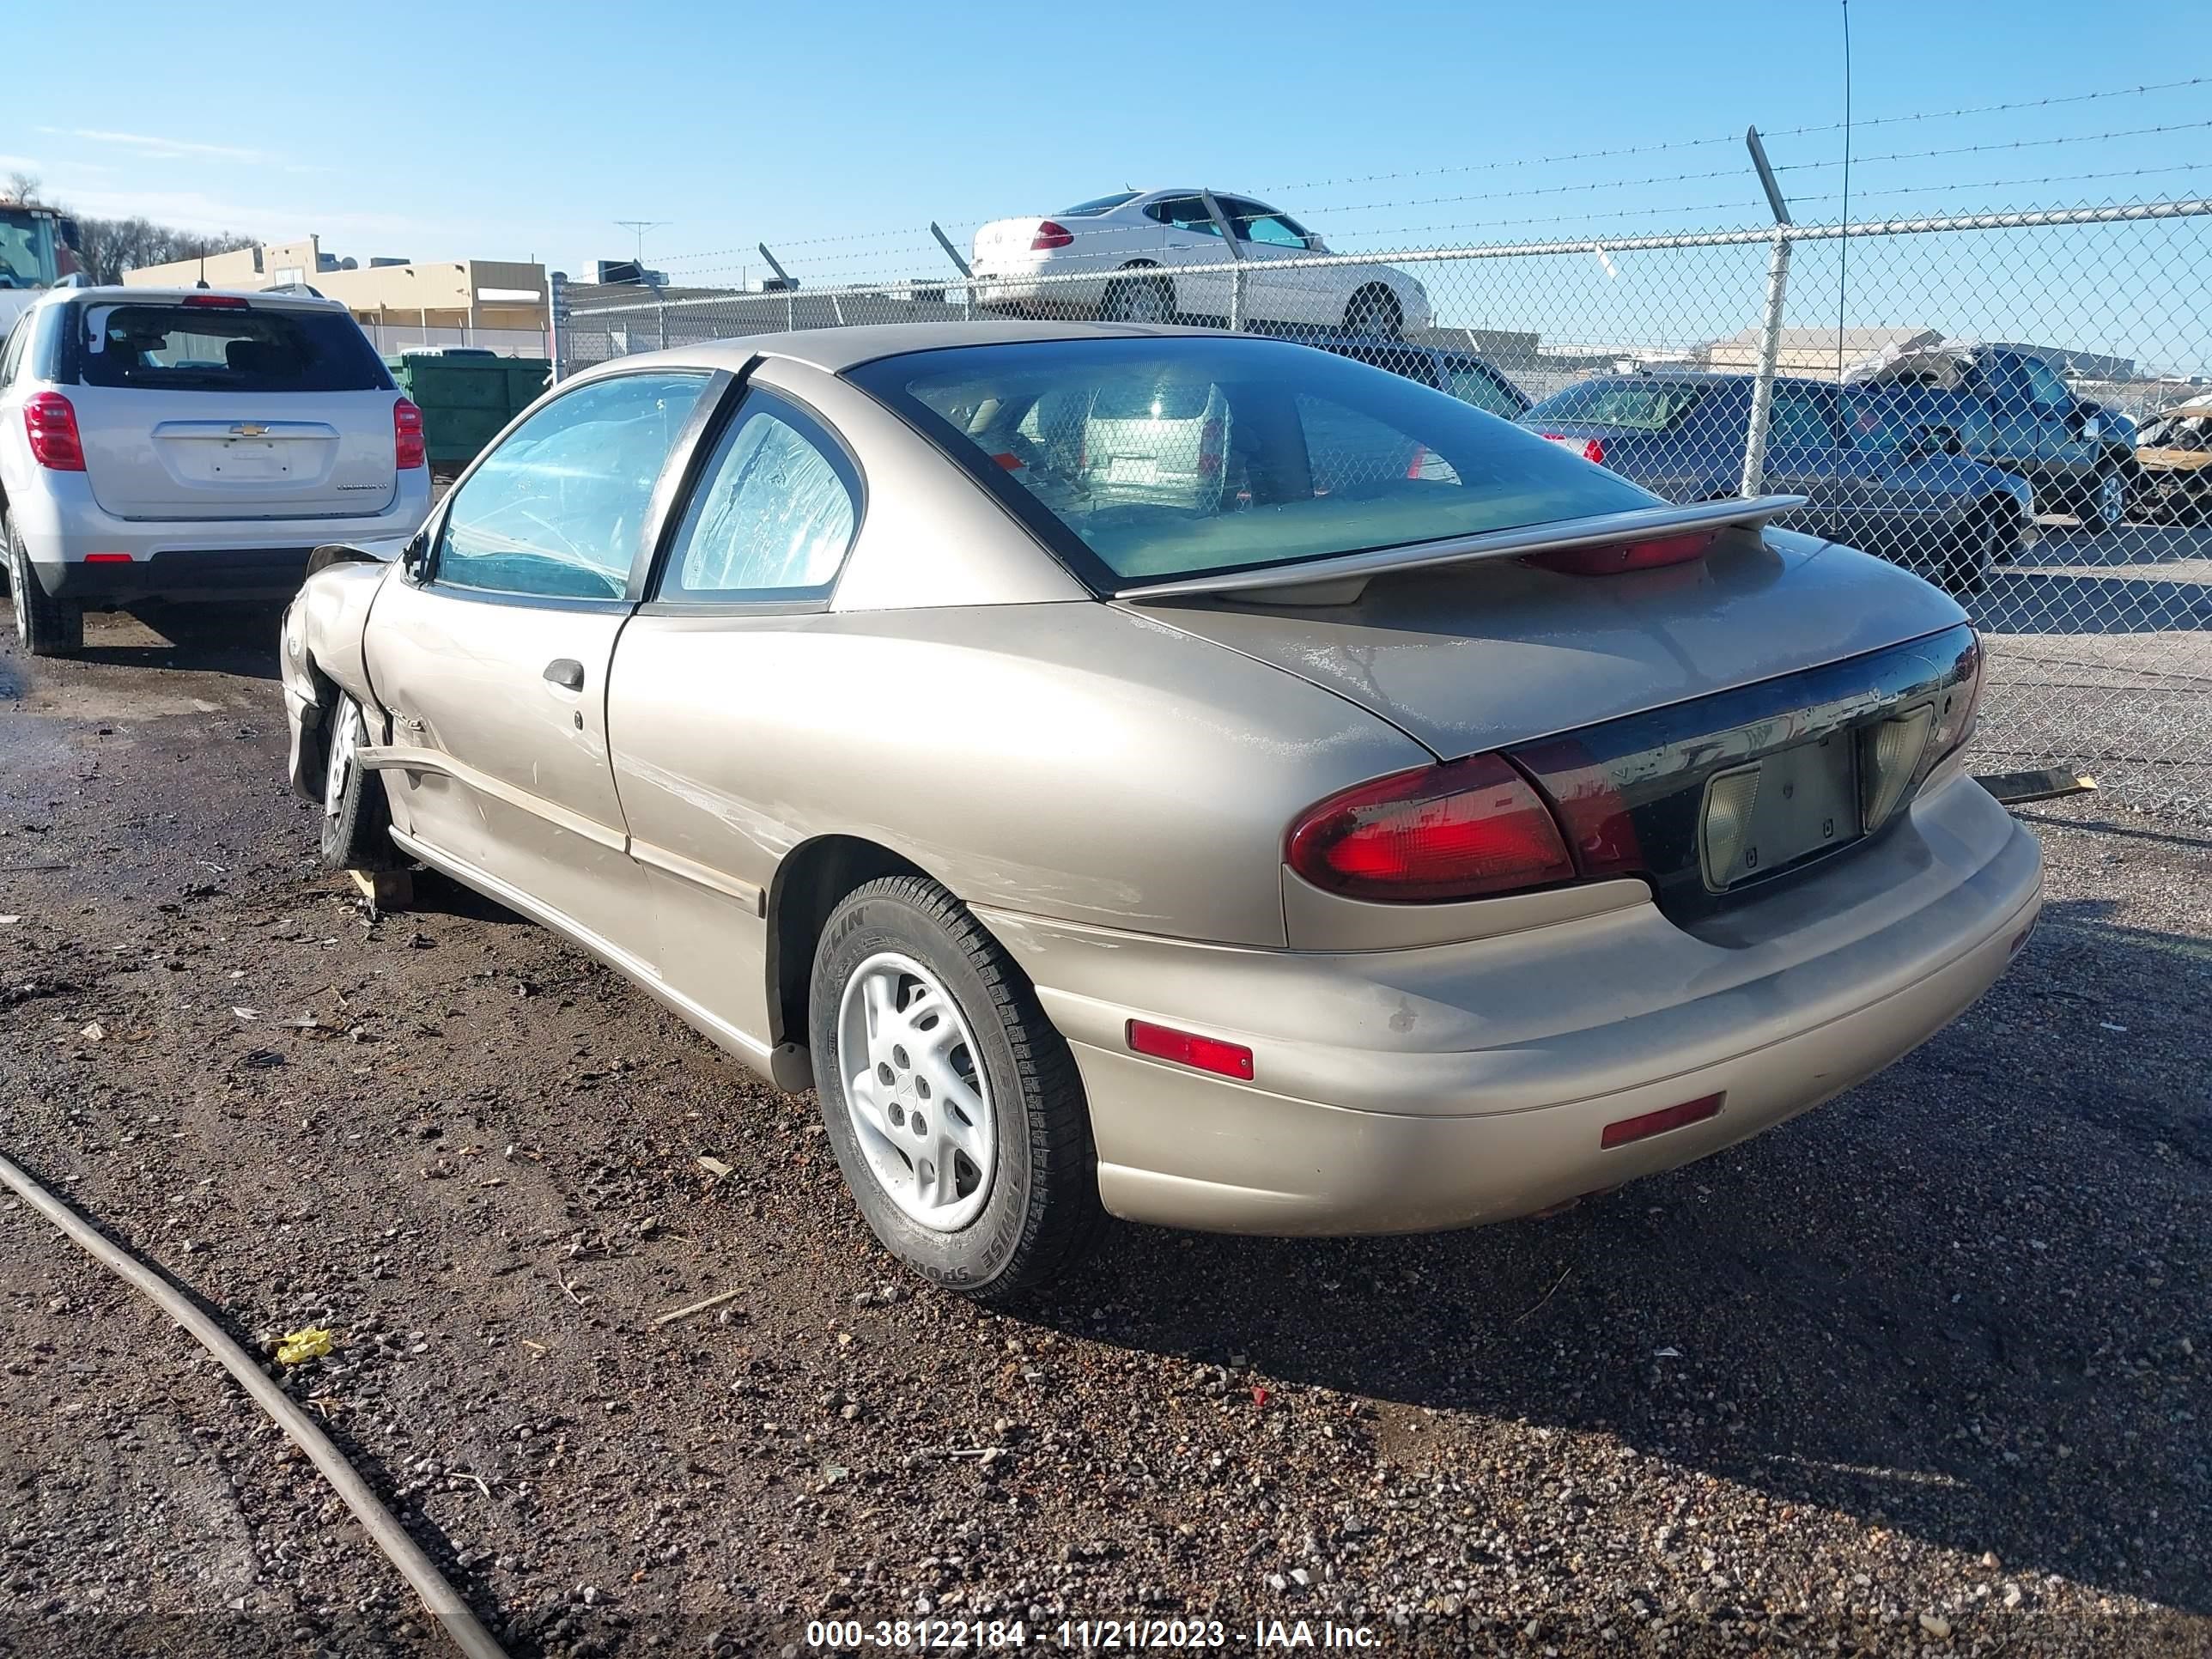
566	673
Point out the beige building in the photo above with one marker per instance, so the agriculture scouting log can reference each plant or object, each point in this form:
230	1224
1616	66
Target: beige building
1812	352
440	301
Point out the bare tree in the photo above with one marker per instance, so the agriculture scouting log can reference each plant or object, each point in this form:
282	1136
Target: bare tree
108	247
21	186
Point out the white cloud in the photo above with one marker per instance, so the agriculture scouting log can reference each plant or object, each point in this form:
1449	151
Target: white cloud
153	149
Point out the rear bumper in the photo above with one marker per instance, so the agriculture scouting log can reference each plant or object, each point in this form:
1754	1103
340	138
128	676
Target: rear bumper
74	546
1403	1091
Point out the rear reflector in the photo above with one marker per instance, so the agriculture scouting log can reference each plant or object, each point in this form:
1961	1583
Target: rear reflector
1658	1122
1050	235
216	301
1590	449
108	559
1205	1053
50	424
1625	556
1463	829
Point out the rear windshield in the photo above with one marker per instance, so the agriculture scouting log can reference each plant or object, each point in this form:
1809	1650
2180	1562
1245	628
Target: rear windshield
1644	406
188	348
1098	205
1146	459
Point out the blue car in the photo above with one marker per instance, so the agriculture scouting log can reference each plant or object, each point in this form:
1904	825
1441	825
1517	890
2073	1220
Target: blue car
1874	480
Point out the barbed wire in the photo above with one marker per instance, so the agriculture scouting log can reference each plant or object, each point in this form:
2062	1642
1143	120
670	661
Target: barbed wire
1734	137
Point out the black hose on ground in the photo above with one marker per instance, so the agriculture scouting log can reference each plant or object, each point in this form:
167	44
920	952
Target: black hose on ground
444	1602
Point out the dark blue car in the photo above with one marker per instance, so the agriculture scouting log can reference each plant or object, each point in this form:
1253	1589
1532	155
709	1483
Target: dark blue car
1873	481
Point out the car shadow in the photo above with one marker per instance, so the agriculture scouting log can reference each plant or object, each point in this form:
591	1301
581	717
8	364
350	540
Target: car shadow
1947	1303
219	638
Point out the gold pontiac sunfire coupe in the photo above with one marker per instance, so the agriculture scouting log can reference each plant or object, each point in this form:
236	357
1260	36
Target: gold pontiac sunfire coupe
1181	775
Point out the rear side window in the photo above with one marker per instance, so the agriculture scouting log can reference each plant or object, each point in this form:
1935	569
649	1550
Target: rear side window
774	515
1641	405
1471	383
1145	460
202	348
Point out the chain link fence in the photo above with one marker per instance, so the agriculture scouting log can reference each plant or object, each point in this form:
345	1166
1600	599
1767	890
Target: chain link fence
2015	407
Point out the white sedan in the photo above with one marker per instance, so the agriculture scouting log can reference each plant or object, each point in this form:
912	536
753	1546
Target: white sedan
1145	253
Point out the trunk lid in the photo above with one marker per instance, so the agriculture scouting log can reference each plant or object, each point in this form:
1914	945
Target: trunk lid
190	409
1471	658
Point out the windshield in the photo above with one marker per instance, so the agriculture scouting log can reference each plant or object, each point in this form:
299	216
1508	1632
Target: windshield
27	257
1146	459
1641	405
206	348
1098	205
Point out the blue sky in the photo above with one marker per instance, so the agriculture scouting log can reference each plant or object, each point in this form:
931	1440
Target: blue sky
441	131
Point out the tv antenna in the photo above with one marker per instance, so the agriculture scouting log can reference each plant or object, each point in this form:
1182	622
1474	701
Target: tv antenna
639	227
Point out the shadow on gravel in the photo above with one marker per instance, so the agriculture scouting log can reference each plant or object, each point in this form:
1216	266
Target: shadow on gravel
1949	1303
2035	601
219	638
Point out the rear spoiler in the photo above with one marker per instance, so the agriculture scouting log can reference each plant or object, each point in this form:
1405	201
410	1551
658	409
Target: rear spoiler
1341	579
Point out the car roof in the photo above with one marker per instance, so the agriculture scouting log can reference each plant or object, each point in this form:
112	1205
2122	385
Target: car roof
836	349
122	294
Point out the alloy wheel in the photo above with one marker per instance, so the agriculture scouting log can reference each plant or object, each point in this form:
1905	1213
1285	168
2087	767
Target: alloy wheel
345	744
2112	498
919	1107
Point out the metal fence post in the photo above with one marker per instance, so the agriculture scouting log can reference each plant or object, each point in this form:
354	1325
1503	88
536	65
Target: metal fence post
557	313
1770	340
1228	232
1770	348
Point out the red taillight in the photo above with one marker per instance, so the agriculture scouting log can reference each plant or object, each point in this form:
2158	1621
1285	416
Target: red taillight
1590	449
215	302
1421	459
1658	1122
1209	447
108	559
49	422
1188	1048
1050	235
407	450
1460	830
1612	559
1955	717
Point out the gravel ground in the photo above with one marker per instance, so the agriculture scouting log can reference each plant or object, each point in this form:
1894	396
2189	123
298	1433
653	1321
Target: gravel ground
1926	1367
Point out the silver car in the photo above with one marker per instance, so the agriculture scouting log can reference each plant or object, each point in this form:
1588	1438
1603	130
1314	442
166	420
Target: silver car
1331	843
189	444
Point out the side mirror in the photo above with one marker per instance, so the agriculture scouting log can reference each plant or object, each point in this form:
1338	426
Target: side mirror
2093	427
414	557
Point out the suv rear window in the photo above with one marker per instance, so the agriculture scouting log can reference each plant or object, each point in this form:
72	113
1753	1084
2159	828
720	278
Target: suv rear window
1643	405
1146	459
188	348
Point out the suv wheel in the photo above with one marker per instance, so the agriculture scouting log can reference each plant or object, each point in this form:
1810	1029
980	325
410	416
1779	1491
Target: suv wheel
45	626
953	1105
2106	503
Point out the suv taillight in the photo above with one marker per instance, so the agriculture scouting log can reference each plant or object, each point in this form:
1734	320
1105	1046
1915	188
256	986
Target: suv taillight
49	422
1464	829
1050	235
407	451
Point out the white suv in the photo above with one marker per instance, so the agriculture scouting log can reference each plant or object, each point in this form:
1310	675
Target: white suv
187	444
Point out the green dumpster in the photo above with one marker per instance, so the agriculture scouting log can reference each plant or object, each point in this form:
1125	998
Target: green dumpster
465	398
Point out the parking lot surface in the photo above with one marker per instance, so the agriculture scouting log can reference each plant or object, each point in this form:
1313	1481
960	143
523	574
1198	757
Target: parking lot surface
1925	1368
